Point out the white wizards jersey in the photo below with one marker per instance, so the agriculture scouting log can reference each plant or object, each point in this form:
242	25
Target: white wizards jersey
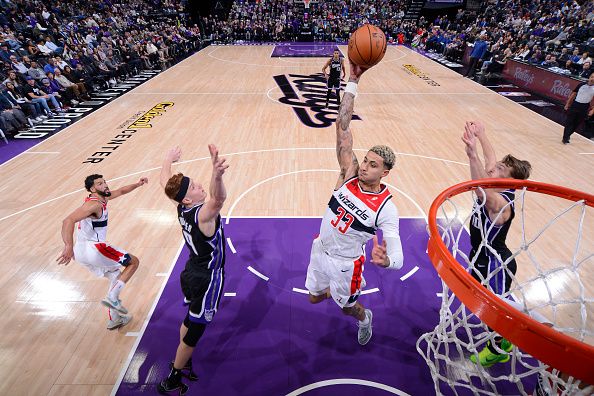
91	229
352	217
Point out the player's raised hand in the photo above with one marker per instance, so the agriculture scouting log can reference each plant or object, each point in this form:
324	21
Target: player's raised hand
469	138
142	181
356	70
174	154
218	164
379	255
477	128
66	255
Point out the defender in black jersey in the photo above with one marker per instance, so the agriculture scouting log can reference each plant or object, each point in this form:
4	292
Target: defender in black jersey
336	64
490	261
492	217
203	277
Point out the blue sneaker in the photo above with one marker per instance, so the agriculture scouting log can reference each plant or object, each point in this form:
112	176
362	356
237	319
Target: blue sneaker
115	304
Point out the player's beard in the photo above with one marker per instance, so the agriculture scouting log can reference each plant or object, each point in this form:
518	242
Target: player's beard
104	194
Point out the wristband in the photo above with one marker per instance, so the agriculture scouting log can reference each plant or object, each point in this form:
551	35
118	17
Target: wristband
351	87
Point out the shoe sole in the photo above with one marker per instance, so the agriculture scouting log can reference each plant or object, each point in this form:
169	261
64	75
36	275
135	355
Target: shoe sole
183	389
108	304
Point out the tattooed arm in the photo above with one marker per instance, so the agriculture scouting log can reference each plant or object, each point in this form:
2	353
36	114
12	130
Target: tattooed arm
349	166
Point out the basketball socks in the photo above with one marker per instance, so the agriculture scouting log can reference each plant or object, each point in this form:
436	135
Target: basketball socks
174	375
365	321
187	371
338	97
328	93
114	291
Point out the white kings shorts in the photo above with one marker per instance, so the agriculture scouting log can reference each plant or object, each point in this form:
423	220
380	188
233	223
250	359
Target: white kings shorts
343	276
100	257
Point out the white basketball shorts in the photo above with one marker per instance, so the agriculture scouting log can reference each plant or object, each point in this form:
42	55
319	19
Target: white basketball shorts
100	257
344	277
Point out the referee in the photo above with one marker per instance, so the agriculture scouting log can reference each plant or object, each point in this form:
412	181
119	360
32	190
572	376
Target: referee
579	106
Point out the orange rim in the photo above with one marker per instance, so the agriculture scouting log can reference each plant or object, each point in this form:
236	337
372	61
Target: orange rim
556	349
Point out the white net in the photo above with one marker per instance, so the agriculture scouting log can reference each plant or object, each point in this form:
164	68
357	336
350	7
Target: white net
552	241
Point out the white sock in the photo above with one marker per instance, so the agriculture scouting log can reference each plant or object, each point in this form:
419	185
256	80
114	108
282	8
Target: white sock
116	288
365	321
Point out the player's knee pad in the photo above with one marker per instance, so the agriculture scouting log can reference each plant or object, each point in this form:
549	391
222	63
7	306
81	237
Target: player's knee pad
195	331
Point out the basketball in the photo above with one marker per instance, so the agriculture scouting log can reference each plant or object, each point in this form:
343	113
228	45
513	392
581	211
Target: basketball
367	46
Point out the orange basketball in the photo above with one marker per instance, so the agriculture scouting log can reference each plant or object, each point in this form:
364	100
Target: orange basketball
367	46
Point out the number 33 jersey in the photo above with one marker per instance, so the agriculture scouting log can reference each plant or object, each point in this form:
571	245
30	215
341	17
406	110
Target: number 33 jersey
353	216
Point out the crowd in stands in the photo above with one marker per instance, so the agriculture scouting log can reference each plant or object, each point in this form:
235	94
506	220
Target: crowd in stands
278	20
55	53
554	34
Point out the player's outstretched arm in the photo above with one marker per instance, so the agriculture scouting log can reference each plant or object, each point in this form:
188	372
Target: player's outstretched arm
126	189
90	208
173	155
347	160
494	201
478	128
211	209
389	253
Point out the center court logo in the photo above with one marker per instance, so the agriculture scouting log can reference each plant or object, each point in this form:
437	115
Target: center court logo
309	100
142	122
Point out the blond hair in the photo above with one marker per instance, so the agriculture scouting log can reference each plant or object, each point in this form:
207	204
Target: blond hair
387	155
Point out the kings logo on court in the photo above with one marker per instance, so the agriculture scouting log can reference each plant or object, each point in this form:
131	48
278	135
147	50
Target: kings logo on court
306	94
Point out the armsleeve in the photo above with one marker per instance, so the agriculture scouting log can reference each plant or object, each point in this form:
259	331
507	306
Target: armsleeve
389	223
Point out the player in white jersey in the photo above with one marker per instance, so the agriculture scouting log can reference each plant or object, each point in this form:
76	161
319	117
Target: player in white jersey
360	204
92	250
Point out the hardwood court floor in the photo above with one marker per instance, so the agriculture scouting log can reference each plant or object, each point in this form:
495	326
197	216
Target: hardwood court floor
53	328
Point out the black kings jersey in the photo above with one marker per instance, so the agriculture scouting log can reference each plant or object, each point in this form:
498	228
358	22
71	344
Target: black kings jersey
481	225
206	253
335	69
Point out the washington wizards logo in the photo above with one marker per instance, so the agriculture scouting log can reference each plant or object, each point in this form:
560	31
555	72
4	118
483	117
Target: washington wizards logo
306	94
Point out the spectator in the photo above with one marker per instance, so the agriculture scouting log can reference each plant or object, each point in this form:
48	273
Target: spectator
586	70
51	66
17	66
36	72
11	117
32	91
479	50
32	109
584	59
12	78
76	90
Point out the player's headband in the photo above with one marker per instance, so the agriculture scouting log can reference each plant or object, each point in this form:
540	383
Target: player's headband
183	189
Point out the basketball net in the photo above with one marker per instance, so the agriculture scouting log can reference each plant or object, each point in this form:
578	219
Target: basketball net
306	2
548	289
